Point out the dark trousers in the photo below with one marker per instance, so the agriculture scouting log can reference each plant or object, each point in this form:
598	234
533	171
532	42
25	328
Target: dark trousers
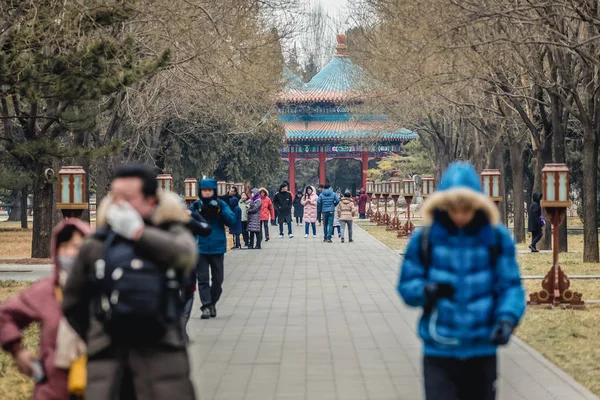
454	379
236	240
289	224
362	216
314	228
265	229
299	220
258	237
210	293
245	235
536	237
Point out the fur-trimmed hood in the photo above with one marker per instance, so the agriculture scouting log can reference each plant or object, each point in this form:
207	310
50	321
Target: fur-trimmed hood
169	210
460	184
266	191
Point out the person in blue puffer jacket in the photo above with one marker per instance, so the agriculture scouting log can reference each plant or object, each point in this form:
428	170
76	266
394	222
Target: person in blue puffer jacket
212	248
466	277
326	204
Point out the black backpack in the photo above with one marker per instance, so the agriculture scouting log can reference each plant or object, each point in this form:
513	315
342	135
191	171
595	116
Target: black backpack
135	299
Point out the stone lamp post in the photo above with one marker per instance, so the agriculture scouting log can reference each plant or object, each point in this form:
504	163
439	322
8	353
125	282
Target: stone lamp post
492	184
190	191
408	186
555	286
370	189
71	180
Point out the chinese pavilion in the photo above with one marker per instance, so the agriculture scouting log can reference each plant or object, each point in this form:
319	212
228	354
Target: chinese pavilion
322	118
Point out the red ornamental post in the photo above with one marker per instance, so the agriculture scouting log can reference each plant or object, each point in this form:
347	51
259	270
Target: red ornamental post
555	286
370	185
409	193
71	180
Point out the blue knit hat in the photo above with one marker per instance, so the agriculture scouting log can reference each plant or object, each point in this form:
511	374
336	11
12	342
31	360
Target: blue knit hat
208	183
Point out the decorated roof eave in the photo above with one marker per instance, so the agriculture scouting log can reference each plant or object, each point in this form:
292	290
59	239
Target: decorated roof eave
328	140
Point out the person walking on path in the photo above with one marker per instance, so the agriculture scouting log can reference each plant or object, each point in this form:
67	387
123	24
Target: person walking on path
41	303
243	204
255	208
362	203
212	248
536	222
336	218
267	212
346	212
233	192
298	208
326	205
462	270
122	295
283	202
236	229
309	202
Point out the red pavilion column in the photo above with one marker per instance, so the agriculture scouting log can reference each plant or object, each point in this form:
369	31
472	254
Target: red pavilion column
322	160
365	166
292	173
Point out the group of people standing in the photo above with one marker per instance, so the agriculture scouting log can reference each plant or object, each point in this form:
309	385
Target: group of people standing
257	212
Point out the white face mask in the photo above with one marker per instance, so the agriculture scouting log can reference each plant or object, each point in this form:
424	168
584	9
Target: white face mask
66	263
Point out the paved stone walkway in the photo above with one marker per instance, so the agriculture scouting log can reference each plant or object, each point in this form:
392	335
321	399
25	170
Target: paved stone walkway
303	319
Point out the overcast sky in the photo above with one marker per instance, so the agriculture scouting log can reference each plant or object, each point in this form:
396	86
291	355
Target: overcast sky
334	7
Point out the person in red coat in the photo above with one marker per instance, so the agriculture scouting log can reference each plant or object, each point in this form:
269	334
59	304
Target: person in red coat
362	203
267	212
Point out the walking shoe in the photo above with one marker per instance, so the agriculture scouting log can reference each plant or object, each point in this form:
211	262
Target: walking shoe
342	240
324	240
329	241
315	236
291	235
205	313
533	249
280	236
267	239
213	311
350	241
305	236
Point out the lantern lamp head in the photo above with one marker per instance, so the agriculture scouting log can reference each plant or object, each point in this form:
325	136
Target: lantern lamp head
427	186
165	182
492	184
555	186
73	199
190	189
221	188
408	186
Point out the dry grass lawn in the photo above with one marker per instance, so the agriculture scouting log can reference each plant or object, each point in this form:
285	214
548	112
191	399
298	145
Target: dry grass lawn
566	337
13	385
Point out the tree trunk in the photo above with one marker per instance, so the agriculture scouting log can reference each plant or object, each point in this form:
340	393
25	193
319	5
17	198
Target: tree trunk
516	163
543	156
590	196
15	210
43	209
24	211
102	179
559	126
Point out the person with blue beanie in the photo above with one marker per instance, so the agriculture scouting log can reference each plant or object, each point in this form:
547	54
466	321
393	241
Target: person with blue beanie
236	229
462	270
212	248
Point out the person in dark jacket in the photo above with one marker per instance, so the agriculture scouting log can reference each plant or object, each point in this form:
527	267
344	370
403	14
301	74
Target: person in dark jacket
159	369
536	222
298	208
236	229
469	286
233	192
212	248
326	205
283	204
362	203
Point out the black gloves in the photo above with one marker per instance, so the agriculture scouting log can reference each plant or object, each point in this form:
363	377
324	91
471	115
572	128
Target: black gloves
211	210
435	291
501	333
198	225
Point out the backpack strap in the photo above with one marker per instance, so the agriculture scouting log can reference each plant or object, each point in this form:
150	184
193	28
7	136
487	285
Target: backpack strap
496	249
425	249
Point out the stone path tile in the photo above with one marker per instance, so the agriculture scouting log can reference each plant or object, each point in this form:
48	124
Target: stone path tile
303	319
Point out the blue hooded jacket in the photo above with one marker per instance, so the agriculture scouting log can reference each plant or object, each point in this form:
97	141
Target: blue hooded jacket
461	326
327	201
216	242
236	229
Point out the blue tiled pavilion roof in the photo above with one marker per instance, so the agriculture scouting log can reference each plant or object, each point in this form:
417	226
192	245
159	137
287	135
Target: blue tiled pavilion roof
345	130
340	75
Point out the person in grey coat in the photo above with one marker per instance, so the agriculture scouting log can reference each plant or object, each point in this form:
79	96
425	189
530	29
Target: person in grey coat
254	206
